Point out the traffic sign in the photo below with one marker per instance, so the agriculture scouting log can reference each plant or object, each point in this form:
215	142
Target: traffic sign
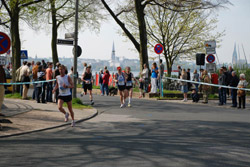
158	48
211	67
79	51
65	42
24	54
210	47
4	43
210	58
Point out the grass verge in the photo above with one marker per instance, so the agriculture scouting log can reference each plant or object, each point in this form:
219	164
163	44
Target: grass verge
13	96
77	104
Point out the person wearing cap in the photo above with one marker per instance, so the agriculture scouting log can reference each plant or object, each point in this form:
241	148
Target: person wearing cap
120	81
87	78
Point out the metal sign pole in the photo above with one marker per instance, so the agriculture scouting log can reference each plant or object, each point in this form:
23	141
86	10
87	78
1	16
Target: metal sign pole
160	76
76	51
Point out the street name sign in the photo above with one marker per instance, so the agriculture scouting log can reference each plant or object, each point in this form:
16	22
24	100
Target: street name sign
65	42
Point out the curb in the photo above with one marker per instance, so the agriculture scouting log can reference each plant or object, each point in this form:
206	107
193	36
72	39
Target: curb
53	127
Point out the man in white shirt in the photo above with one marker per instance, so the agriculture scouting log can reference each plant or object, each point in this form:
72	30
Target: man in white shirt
25	75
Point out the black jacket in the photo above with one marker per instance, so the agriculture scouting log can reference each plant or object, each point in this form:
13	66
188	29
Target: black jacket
234	81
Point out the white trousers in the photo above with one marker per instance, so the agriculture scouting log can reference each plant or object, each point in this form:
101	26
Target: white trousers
153	85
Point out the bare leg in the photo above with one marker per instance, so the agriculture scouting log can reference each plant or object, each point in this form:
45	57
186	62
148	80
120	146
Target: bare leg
121	97
90	95
70	109
60	106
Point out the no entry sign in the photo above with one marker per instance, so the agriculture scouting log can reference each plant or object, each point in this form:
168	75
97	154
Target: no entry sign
4	43
158	48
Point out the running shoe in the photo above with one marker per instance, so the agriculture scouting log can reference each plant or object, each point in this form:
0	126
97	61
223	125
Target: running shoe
66	117
129	105
73	124
92	102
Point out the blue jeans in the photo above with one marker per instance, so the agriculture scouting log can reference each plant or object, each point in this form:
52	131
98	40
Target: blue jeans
234	97
223	95
105	88
34	91
101	88
49	92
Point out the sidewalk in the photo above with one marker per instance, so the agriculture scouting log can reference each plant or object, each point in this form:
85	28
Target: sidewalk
27	116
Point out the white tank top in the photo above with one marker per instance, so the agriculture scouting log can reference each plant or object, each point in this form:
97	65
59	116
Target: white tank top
63	80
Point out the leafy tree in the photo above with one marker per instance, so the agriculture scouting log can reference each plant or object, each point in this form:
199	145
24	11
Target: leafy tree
60	14
140	6
14	10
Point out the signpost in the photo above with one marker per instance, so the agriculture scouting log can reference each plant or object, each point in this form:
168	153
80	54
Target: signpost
158	50
211	67
4	43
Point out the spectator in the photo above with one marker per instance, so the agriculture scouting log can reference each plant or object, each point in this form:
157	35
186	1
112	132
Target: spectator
154	75
41	86
188	78
34	73
205	88
144	81
179	71
2	90
184	87
195	96
44	65
201	78
196	78
25	73
234	83
49	76
242	93
19	76
222	91
101	81
105	84
55	74
228	79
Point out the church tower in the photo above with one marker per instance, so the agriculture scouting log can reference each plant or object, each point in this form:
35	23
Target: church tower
235	56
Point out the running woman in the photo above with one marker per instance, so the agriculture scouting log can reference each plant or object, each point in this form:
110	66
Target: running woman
129	85
87	78
120	81
64	83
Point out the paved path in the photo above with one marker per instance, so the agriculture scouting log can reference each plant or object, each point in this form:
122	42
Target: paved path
150	133
28	116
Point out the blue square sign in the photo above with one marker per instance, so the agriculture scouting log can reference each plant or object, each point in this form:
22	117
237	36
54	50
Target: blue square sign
24	54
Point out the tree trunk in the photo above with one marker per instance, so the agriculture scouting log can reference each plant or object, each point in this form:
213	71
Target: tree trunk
142	32
54	33
15	43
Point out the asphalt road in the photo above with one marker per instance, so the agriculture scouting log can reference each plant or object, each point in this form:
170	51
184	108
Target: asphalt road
150	133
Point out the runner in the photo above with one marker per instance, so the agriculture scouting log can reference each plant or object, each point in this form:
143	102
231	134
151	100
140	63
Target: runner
87	78
64	83
129	85
120	81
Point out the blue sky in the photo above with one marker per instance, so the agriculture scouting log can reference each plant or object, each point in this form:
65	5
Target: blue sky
235	20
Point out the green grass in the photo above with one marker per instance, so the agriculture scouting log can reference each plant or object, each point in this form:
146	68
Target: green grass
13	96
77	104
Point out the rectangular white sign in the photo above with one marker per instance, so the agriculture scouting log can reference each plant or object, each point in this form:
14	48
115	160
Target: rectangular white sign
2	60
210	44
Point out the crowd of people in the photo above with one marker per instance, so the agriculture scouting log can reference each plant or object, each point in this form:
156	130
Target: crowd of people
227	77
